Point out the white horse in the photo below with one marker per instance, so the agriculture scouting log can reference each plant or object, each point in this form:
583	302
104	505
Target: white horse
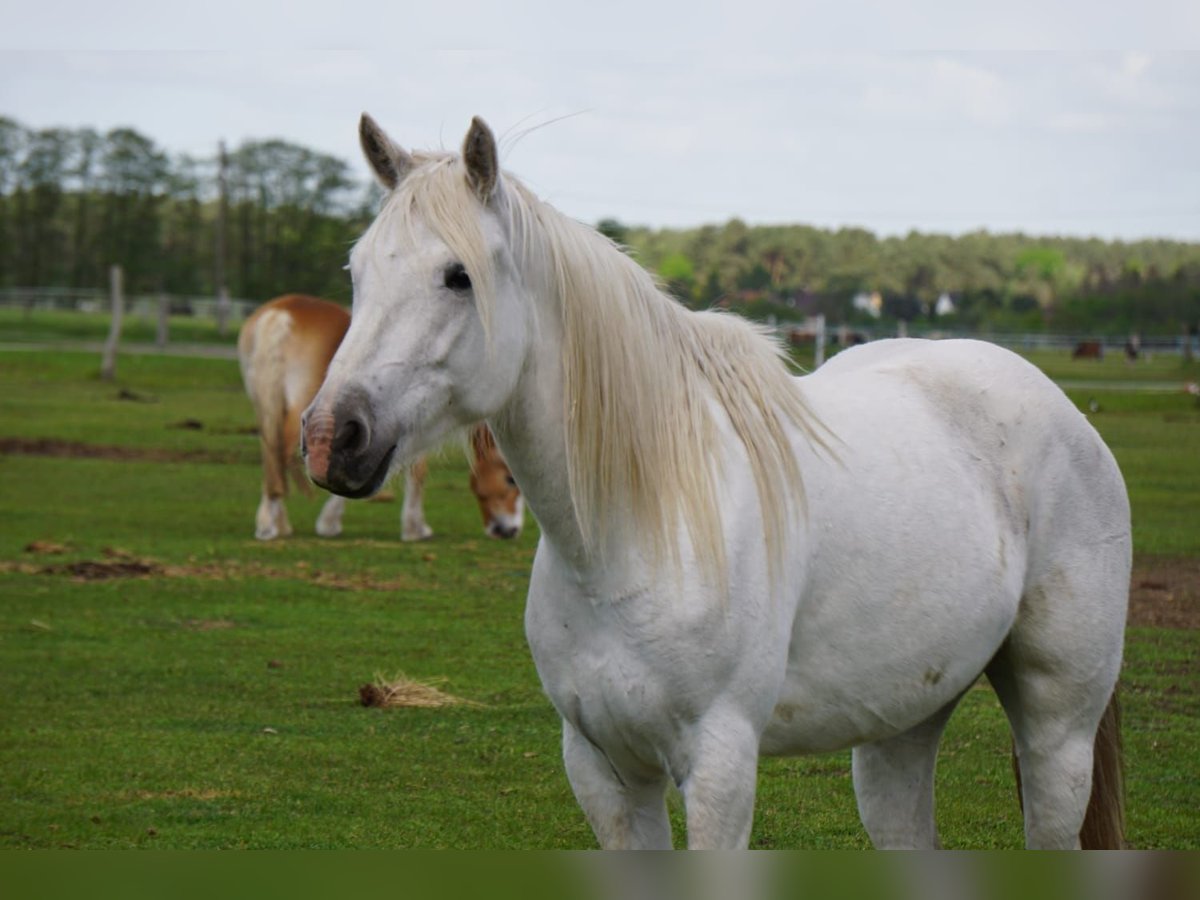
733	561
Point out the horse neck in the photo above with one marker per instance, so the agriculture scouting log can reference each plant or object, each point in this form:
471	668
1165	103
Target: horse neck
531	435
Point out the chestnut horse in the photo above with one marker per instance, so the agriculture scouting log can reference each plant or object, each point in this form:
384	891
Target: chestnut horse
284	349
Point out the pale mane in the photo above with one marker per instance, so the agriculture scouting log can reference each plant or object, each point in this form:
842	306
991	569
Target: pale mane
640	373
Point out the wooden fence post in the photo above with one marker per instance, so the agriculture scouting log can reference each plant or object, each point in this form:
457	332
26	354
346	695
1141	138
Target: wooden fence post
162	332
224	307
819	342
108	363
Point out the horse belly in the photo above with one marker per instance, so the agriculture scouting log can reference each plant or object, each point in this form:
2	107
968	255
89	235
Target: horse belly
913	583
848	683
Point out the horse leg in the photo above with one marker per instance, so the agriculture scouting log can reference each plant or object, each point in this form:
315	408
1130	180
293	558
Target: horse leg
893	783
271	520
329	522
624	814
719	788
412	518
1054	721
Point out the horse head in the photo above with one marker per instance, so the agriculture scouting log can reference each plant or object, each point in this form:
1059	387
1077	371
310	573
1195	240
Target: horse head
439	329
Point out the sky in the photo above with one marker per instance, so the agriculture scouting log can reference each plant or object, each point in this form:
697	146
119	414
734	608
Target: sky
1075	118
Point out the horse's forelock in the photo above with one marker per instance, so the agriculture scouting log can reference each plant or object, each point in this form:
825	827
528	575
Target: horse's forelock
436	194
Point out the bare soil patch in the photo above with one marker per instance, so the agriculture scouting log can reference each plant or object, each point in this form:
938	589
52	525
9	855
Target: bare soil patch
15	446
122	564
92	570
186	793
208	624
46	548
1165	593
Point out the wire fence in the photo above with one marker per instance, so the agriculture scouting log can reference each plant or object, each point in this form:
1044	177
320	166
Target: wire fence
93	300
209	308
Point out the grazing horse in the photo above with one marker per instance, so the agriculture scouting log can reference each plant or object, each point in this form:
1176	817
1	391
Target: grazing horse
284	348
734	561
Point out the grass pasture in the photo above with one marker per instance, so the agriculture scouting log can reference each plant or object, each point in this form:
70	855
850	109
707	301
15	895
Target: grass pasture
169	682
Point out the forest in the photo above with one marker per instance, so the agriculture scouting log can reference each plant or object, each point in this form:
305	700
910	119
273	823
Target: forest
73	201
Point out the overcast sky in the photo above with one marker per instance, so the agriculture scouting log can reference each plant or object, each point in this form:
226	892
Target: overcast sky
667	114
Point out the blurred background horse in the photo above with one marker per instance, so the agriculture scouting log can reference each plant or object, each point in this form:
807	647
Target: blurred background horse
284	349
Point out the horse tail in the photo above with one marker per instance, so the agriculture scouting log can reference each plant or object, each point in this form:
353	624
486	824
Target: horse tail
262	357
1104	822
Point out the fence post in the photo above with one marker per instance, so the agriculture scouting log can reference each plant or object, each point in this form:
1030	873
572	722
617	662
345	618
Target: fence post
162	332
108	363
224	306
819	349
219	255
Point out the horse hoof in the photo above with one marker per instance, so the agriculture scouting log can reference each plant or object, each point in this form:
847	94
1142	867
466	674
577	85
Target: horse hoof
423	533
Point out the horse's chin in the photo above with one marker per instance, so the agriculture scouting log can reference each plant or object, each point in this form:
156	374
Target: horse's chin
345	477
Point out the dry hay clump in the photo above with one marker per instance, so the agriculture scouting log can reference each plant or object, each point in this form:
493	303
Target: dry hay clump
402	691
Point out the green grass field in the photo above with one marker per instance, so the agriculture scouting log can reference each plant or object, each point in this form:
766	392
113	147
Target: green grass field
60	326
212	701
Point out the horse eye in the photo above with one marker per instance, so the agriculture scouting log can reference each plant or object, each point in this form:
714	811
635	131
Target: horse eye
456	277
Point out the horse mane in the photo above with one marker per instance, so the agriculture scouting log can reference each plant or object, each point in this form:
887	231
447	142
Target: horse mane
640	372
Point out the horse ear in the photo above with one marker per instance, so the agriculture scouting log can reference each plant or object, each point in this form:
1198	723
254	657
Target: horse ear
479	153
388	160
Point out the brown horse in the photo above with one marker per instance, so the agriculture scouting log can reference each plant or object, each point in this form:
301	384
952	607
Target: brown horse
1088	350
284	349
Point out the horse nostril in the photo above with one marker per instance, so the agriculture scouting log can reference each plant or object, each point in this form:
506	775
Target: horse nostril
351	436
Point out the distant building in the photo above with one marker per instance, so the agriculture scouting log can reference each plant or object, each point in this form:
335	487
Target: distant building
870	303
945	306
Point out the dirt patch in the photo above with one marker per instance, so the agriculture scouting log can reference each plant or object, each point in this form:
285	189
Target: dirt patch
208	624
122	564
187	793
12	446
134	397
117	563
1165	593
93	570
45	548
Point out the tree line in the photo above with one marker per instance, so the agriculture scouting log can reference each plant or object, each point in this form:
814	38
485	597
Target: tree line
74	201
976	281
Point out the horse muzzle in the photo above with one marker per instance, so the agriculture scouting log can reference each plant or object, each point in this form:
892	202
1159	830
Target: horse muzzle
339	452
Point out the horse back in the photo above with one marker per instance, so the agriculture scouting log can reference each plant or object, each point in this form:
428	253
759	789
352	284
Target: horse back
287	343
284	349
978	401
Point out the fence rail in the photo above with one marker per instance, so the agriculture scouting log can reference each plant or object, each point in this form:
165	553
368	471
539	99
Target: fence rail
147	306
91	300
838	336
